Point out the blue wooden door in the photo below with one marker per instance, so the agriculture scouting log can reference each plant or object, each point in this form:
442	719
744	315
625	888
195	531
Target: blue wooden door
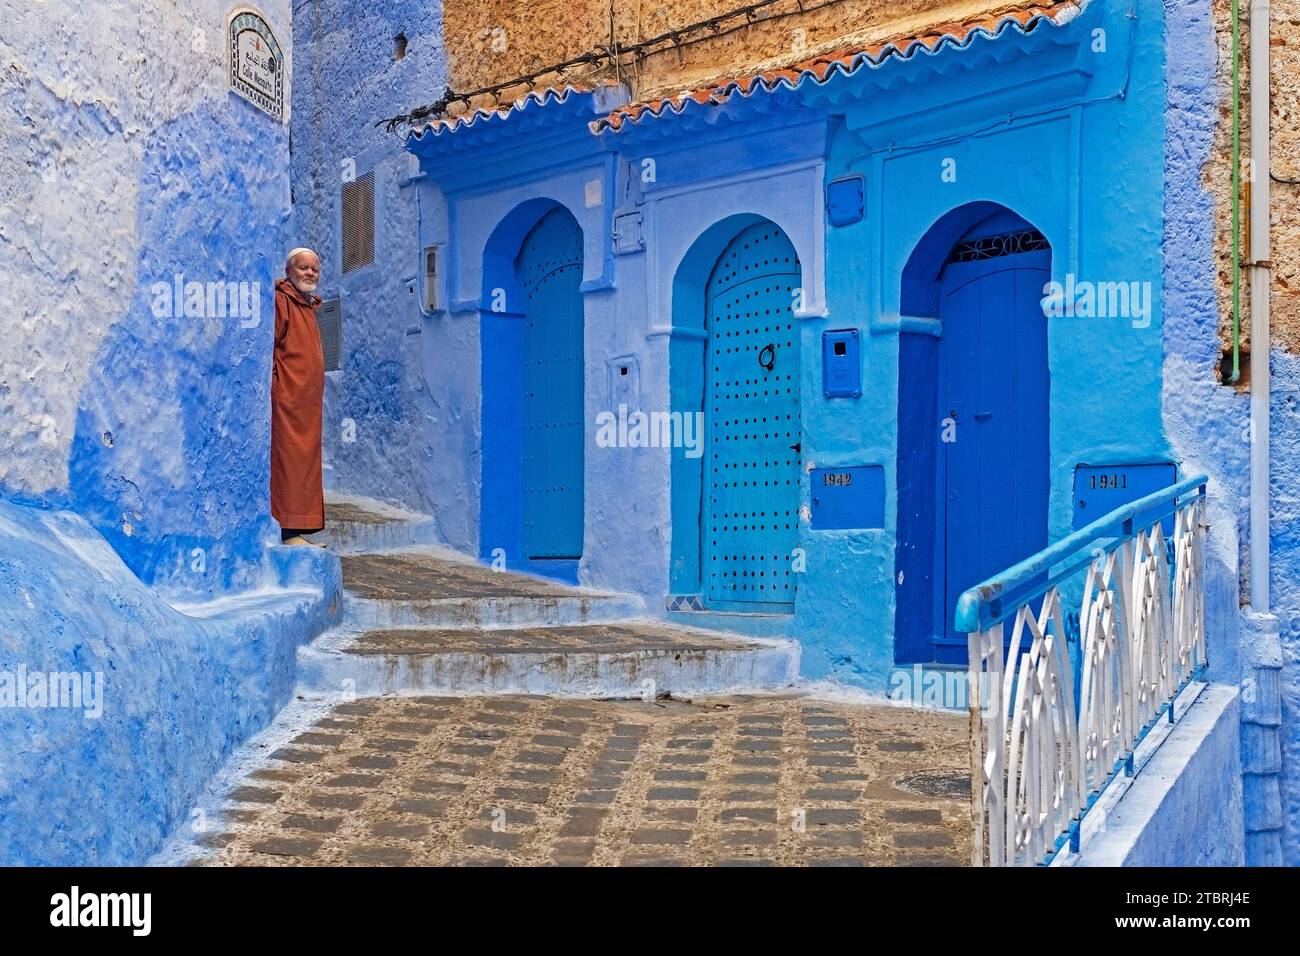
549	268
751	498
993	382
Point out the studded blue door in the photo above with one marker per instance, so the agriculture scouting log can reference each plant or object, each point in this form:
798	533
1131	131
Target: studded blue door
549	268
751	506
993	382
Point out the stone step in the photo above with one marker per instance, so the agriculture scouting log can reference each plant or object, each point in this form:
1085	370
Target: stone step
623	659
439	588
355	525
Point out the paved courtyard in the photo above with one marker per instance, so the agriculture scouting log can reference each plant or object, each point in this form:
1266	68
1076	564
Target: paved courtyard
740	780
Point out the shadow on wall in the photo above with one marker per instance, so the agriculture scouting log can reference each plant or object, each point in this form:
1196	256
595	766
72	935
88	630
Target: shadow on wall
170	461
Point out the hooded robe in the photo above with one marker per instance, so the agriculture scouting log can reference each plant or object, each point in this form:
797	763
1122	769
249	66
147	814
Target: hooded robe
297	394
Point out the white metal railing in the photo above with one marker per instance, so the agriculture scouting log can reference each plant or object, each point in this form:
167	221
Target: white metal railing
1051	723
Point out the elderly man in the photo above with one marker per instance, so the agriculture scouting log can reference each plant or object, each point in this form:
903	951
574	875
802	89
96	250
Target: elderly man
297	390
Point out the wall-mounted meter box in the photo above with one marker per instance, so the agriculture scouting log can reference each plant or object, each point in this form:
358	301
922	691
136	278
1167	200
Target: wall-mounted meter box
847	498
1100	489
844	200
841	364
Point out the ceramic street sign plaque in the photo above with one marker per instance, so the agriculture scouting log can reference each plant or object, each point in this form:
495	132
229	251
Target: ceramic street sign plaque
256	62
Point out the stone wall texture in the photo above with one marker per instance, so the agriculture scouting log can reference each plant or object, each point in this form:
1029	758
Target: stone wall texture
491	42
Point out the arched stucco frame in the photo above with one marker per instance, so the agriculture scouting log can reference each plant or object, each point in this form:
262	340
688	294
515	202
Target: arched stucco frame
919	283
681	218
483	227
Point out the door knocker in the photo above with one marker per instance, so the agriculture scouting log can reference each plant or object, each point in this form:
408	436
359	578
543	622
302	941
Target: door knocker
769	350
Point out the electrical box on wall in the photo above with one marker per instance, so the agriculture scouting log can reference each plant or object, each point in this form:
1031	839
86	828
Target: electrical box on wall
846	498
624	383
329	321
1100	489
841	364
431	279
627	234
844	201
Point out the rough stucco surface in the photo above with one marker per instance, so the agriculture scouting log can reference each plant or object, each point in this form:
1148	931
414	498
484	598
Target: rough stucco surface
177	692
492	42
125	162
1208	423
1285	130
136	438
347	77
1183	808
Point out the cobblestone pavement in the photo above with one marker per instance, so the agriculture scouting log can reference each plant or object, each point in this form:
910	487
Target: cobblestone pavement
742	780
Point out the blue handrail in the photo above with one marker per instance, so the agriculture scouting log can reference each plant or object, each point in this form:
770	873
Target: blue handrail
1001	596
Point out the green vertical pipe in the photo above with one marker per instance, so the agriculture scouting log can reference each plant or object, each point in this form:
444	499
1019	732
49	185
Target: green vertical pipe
1236	191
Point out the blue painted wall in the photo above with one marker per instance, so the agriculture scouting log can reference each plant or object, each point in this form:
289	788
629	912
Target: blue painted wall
1209	424
134	512
153	425
1097	133
488	184
104	783
379	405
1088	177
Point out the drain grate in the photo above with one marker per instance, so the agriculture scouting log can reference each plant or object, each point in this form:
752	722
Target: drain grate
948	784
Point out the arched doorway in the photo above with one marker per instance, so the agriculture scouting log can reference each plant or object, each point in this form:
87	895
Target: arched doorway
750	511
531	509
974	422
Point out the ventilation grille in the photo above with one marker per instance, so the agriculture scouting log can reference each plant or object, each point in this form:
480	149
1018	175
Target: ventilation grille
359	222
329	319
995	247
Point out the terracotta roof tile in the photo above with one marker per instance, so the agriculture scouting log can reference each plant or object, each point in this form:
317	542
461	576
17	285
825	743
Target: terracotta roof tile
1022	16
502	110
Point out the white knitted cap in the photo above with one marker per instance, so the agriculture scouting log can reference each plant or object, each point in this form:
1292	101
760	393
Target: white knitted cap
295	253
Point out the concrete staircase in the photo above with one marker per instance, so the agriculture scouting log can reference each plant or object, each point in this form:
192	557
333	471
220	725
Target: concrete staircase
421	619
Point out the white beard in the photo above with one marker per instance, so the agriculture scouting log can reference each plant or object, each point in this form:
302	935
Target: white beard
307	287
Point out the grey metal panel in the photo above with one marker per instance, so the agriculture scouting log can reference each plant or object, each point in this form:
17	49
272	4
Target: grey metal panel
329	319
